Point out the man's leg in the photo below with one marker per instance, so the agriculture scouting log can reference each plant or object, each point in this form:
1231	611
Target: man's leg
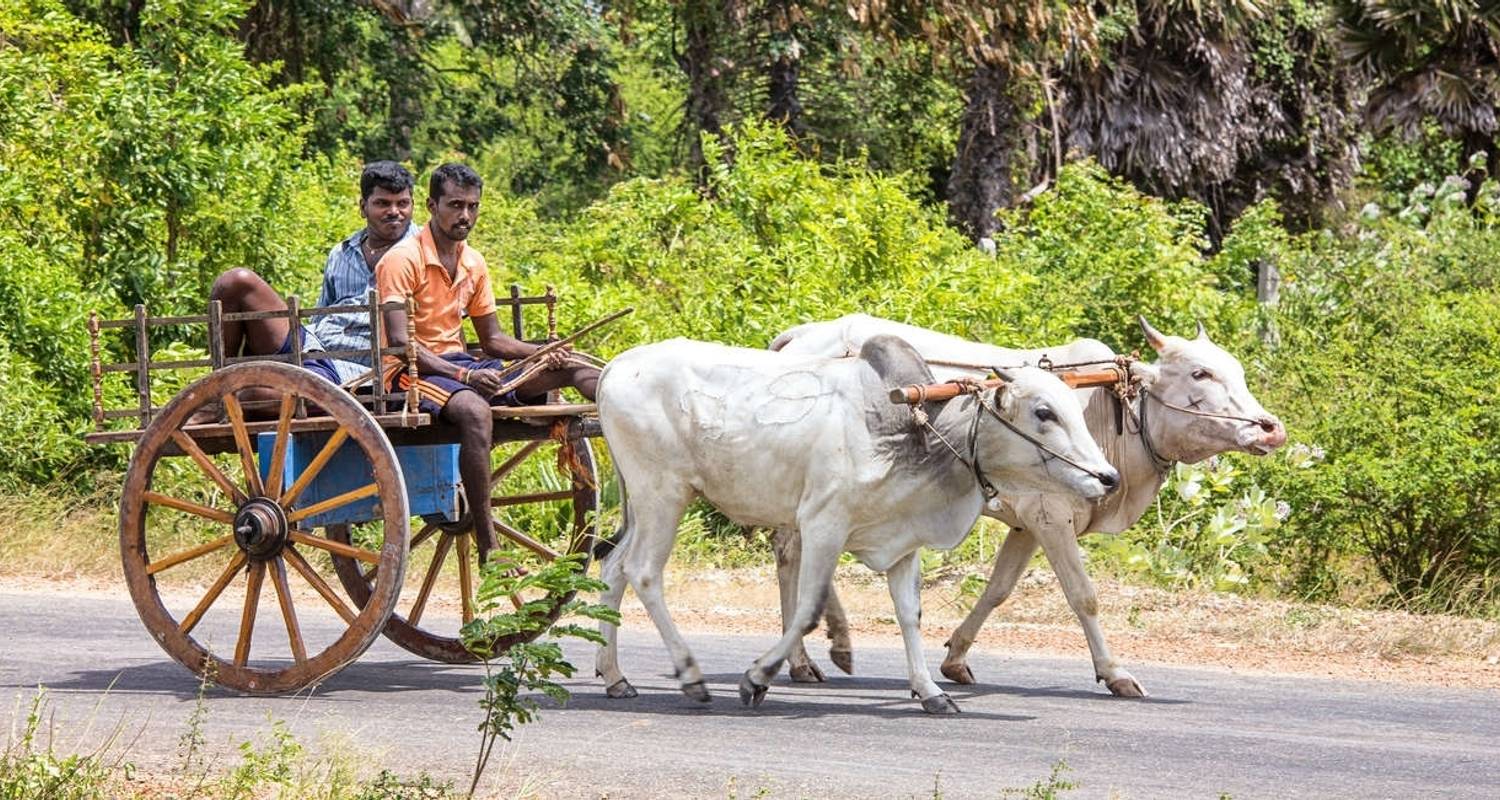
240	290
469	412
583	378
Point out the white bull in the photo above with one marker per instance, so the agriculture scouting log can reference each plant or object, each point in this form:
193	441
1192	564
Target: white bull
815	444
1196	405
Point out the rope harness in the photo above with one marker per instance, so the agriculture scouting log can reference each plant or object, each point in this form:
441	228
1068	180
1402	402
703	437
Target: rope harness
1128	393
1164	464
972	461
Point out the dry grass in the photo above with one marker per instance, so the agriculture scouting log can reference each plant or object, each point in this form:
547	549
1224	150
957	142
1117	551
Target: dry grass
59	535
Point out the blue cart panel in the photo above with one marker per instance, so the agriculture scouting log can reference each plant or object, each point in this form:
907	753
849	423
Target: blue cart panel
433	485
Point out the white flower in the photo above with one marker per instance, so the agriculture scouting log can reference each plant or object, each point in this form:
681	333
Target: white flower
1283	510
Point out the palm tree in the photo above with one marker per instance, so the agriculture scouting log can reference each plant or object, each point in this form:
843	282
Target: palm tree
1217	101
1430	61
1006	50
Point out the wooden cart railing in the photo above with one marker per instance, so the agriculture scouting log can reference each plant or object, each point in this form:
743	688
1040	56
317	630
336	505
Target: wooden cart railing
371	393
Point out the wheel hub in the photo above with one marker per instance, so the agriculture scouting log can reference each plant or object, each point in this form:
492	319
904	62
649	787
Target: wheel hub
260	528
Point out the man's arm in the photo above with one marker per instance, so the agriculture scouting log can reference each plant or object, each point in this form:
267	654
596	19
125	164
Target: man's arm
428	363
495	342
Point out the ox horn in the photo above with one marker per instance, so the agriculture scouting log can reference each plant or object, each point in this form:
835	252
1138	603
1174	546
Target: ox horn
1005	375
1202	332
1154	337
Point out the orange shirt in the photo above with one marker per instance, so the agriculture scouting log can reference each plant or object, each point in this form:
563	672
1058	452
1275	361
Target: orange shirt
412	267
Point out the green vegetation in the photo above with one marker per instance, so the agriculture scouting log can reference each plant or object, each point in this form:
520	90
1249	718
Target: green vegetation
32	768
514	676
144	147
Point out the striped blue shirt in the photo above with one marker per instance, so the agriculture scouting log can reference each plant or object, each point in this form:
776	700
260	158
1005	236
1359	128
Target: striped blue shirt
347	281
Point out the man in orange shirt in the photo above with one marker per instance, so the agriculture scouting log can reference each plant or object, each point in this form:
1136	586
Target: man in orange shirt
450	280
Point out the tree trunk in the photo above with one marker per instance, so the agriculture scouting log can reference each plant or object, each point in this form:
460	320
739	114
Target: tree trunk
1477	142
981	182
785	108
700	62
405	85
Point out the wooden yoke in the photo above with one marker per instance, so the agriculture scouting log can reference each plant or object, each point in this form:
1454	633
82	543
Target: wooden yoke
1075	379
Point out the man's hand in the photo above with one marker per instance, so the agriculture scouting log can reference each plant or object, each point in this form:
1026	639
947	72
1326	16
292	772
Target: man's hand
485	381
560	358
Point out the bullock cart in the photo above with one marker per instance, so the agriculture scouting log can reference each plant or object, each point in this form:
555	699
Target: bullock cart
257	471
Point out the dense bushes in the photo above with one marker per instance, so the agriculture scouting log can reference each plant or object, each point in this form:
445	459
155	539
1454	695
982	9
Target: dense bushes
1389	339
121	181
779	240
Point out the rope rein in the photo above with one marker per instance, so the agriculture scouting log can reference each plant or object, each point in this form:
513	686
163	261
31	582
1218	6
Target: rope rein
1128	392
921	417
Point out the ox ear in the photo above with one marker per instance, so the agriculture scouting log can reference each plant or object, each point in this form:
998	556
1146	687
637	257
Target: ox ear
1202	332
1154	337
1005	400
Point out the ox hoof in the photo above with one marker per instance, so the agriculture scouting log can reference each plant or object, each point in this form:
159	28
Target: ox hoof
940	704
751	693
1125	686
698	691
807	673
958	673
843	658
620	690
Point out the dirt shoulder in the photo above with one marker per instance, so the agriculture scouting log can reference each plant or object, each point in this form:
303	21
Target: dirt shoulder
1142	625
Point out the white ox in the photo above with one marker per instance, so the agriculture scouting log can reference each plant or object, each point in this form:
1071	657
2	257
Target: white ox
815	444
1196	406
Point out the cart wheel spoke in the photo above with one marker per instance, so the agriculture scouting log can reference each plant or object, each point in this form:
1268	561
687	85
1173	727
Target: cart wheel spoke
236	416
278	452
316	581
315	466
523	499
247	617
438	557
337	548
465	579
191	620
188	506
514	461
188	554
288	613
187	445
334	502
525	541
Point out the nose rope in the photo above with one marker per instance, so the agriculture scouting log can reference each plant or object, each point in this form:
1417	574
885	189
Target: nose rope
1195	412
1099	476
972	461
1164	464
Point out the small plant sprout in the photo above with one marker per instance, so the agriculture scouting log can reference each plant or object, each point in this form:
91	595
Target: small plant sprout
514	675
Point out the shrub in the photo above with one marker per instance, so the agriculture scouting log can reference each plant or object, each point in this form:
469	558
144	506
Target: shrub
1384	364
778	240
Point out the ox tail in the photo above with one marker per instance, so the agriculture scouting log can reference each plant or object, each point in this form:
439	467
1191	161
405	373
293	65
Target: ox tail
607	544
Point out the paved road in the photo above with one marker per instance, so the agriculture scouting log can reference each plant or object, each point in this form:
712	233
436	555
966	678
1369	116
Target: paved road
1204	733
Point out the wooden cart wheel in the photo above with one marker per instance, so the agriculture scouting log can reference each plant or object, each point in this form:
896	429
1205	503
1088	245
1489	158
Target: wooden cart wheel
544	495
189	528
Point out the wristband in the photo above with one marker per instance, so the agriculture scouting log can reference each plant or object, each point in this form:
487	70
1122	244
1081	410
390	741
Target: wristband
463	376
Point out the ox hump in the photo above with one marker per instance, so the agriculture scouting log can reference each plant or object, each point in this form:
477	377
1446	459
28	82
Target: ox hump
895	361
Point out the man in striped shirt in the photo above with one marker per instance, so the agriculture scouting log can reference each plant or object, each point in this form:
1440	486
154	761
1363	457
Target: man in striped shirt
385	190
385	202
